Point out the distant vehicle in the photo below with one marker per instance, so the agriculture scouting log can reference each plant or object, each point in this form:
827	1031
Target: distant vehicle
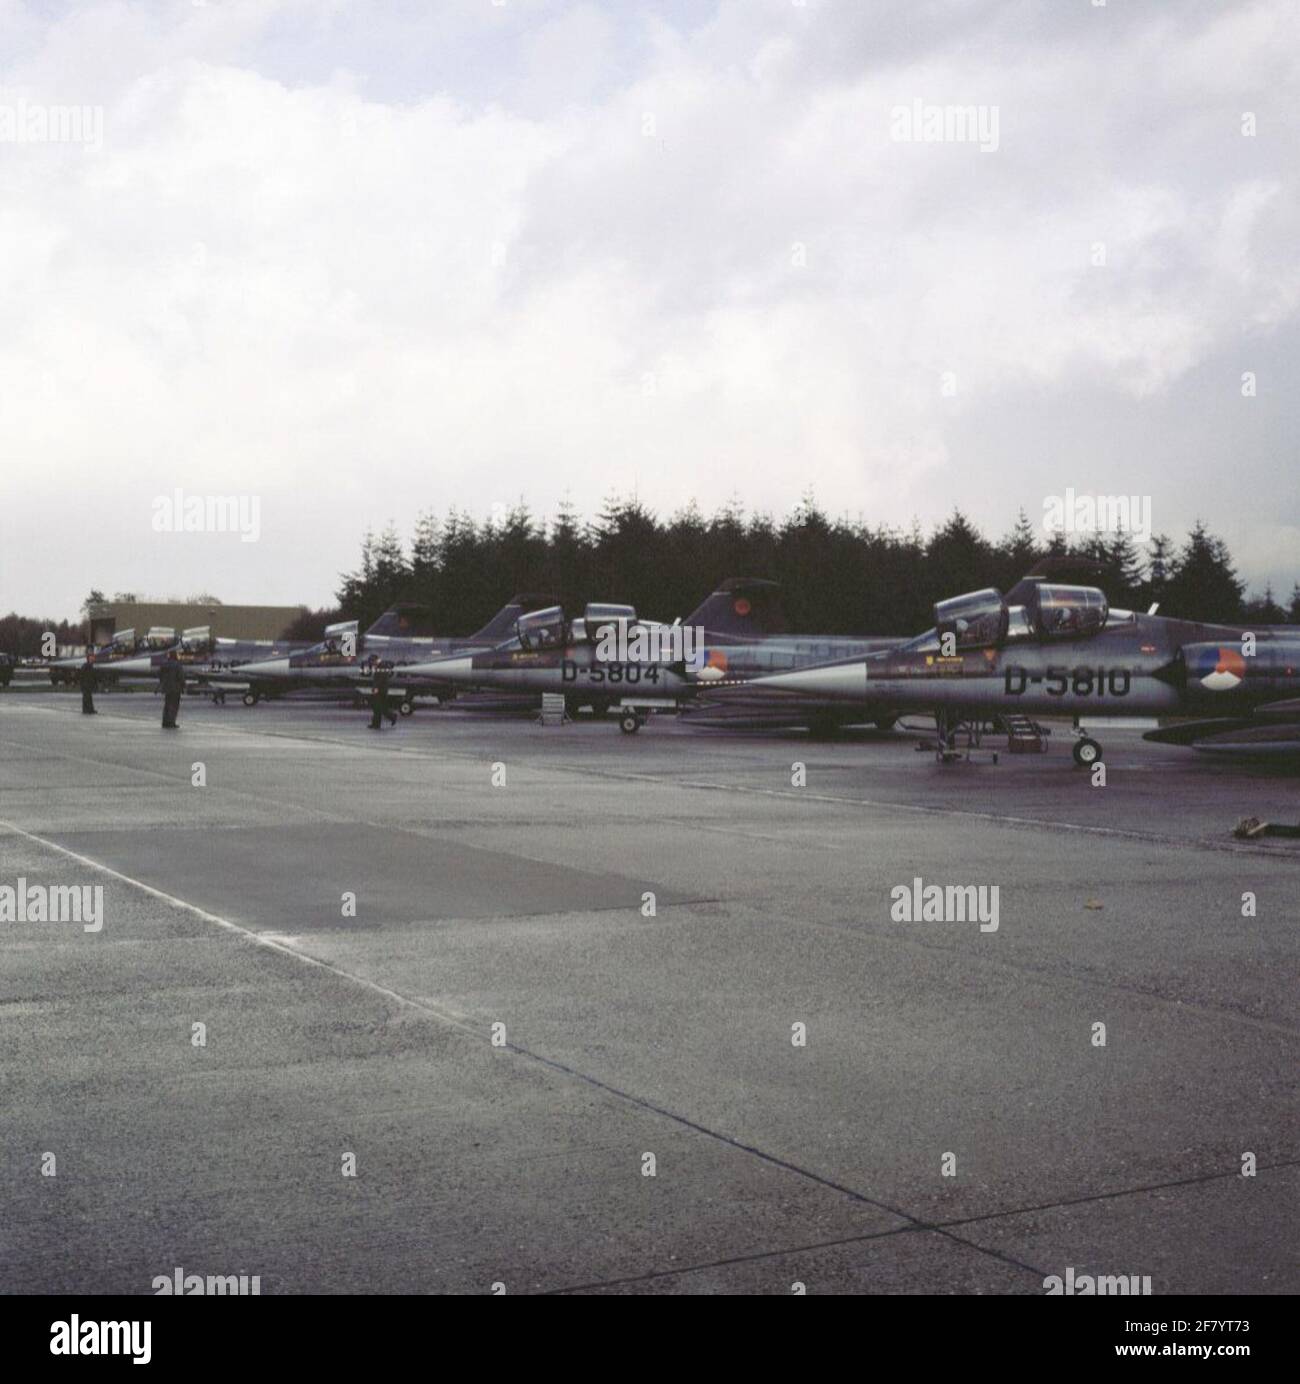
1049	648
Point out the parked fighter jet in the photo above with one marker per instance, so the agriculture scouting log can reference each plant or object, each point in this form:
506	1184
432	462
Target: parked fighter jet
747	636
551	653
1050	648
210	662
124	647
402	637
608	657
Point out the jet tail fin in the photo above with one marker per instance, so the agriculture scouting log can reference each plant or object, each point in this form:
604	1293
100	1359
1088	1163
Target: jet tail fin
502	625
405	620
741	610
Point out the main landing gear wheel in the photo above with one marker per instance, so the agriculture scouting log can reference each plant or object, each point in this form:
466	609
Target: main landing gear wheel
406	707
251	699
629	723
1086	752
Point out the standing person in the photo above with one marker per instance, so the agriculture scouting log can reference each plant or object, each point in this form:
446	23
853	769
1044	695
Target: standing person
379	700
89	681
171	679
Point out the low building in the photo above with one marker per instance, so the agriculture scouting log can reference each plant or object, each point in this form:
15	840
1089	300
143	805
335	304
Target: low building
225	621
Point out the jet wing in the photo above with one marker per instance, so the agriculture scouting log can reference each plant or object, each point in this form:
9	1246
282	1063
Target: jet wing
1272	732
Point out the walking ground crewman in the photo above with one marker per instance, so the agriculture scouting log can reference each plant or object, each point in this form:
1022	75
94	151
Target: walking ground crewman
171	678
379	700
89	681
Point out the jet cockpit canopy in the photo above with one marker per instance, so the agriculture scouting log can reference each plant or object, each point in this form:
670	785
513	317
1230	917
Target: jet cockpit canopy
1066	612
601	616
977	620
331	648
600	619
548	629
543	629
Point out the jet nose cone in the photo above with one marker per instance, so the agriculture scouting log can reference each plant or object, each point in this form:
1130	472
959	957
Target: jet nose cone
132	667
458	669
846	680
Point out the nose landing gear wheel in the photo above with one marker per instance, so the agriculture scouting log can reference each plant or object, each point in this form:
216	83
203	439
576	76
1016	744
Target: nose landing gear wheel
250	699
406	708
629	723
1086	752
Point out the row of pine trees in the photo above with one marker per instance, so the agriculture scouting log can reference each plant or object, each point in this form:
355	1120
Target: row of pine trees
839	576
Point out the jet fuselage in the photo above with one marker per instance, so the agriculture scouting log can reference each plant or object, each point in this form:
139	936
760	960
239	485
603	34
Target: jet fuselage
1137	665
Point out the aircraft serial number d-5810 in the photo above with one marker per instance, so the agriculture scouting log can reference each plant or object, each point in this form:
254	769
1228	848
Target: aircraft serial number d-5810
1057	681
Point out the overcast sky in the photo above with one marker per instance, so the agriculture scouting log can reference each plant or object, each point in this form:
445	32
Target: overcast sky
357	258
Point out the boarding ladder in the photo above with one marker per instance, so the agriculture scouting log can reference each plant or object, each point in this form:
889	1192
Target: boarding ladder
554	712
1024	735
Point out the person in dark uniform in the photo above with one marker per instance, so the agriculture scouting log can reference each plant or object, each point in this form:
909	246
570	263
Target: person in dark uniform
89	681
171	678
379	700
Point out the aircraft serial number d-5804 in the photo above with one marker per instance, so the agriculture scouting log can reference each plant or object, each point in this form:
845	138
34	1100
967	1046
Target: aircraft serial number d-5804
629	674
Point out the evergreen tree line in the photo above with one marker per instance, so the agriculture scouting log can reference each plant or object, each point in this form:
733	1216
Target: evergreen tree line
21	635
839	576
